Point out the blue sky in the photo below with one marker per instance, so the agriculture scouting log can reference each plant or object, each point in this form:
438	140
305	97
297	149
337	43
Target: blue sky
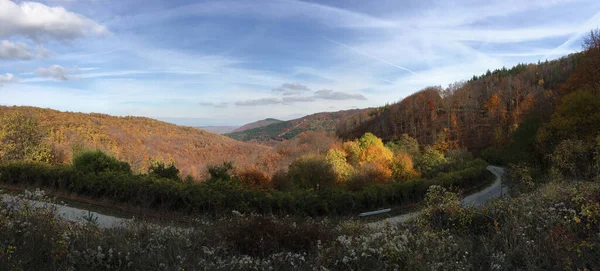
232	62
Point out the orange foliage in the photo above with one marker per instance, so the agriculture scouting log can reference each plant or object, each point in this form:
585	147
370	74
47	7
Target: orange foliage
136	139
377	154
254	178
375	172
404	168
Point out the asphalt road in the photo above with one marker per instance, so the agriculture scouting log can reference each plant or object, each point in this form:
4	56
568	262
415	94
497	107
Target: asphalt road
477	199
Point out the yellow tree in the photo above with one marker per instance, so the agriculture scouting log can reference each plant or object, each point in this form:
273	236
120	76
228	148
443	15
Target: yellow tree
337	158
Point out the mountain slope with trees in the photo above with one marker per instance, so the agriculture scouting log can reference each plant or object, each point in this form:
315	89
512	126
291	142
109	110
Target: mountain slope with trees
256	124
278	131
477	113
136	140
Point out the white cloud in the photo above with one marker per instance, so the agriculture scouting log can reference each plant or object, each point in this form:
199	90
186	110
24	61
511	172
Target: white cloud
8	78
288	89
329	94
39	22
216	105
21	51
55	71
15	50
262	101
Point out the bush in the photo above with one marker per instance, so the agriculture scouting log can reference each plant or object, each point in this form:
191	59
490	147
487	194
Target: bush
312	172
573	159
217	196
430	161
281	181
99	162
493	156
253	178
220	172
159	169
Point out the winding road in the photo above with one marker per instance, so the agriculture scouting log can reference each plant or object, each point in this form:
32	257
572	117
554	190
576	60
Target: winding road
477	199
495	190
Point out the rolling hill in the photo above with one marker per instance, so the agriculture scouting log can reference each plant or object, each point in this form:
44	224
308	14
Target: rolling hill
218	129
278	131
257	124
138	139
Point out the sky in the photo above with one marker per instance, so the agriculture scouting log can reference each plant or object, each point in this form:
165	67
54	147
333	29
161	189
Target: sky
233	62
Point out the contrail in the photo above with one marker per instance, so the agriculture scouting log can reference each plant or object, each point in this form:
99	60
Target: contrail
370	56
585	28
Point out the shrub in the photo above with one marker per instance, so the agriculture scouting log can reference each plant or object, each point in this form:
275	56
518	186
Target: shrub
338	161
404	144
375	172
572	158
493	156
159	169
220	172
430	161
98	162
312	172
281	181
254	178
403	169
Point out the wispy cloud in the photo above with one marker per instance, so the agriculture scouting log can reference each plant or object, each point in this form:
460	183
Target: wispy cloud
255	102
15	50
55	71
216	105
329	94
287	89
370	56
8	78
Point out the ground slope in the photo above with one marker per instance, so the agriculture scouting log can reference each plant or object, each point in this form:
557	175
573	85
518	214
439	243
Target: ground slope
138	139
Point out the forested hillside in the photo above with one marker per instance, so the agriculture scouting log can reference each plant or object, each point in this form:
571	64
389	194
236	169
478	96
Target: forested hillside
256	124
477	113
278	131
137	140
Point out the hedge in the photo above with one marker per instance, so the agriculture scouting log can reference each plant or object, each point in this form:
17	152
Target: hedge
215	197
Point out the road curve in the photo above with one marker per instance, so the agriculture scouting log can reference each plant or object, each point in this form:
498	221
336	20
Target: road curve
106	221
70	213
477	199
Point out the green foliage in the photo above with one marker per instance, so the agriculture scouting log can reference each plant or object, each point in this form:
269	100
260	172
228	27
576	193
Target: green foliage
369	140
442	211
404	144
97	161
215	196
577	117
221	172
572	159
522	142
158	168
458	158
281	181
521	177
494	155
337	159
312	172
403	168
21	139
430	161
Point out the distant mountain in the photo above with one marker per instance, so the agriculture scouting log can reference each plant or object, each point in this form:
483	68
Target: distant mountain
218	129
137	140
278	131
257	124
